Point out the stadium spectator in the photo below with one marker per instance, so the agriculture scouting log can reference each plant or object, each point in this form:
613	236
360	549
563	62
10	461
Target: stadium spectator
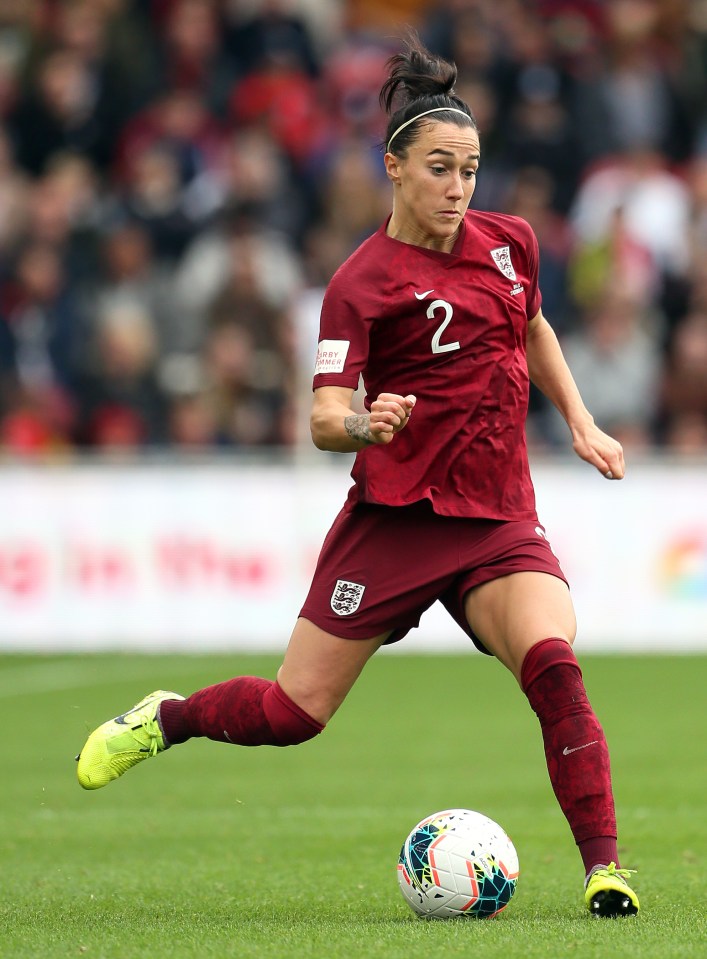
42	333
352	193
190	52
122	405
165	159
192	421
283	99
65	210
245	390
248	354
353	73
654	202
272	31
616	362
129	273
154	196
684	394
86	28
616	259
206	264
255	173
62	110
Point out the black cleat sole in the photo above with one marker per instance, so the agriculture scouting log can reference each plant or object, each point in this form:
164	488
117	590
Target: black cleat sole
612	905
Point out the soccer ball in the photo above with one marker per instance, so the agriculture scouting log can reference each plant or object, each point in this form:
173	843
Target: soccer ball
458	863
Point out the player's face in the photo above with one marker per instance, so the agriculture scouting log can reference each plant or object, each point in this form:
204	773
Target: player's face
433	185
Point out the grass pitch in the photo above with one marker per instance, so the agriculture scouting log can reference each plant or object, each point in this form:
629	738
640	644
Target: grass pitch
216	851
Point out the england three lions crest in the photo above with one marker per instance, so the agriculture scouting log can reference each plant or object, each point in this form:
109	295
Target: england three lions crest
502	258
346	597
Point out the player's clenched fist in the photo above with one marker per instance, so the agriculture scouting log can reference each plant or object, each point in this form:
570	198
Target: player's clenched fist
389	414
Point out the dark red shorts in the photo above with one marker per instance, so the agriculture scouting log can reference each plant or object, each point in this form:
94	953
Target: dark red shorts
381	567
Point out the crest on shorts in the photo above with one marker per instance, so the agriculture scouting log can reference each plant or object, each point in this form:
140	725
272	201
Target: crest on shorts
346	597
502	258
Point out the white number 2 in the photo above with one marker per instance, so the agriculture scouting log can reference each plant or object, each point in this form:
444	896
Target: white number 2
438	347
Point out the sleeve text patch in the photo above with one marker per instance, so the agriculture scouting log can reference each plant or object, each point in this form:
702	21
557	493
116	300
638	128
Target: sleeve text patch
331	356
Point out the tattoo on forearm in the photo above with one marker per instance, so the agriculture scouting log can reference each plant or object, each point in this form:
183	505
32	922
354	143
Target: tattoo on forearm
358	426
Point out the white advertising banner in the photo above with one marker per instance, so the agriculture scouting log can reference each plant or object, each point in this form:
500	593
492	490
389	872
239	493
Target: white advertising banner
220	556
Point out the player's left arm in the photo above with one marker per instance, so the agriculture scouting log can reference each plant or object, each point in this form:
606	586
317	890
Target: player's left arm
549	371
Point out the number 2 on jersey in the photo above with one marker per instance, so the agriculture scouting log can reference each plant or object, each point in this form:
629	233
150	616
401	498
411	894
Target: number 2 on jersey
438	347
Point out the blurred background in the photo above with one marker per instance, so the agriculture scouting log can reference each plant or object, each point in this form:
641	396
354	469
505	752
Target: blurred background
179	179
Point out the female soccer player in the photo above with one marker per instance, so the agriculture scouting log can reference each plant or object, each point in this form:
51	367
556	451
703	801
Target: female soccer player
440	312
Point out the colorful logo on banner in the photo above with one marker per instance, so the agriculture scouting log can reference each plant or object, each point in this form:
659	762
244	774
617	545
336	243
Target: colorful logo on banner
683	567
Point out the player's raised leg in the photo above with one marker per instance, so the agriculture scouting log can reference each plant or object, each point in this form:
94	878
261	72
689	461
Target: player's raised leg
123	742
527	621
317	672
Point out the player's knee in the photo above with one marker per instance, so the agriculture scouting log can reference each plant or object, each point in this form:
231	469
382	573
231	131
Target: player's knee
552	680
294	734
290	723
545	655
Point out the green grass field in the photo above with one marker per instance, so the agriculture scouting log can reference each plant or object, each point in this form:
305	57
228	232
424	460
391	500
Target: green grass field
216	851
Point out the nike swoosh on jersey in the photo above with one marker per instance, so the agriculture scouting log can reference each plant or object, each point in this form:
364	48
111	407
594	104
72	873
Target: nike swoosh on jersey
421	296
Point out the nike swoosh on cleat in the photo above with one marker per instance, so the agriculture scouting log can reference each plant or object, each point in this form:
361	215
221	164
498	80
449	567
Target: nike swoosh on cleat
566	751
421	296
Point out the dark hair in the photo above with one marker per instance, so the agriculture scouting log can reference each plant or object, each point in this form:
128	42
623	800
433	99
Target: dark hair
419	81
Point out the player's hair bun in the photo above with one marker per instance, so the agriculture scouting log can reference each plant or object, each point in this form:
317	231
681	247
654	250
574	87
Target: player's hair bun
416	73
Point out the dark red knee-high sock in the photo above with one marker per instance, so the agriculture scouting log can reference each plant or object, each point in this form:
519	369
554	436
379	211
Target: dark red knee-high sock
247	711
575	748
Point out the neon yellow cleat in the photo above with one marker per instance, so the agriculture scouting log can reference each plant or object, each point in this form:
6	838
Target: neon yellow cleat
608	894
123	742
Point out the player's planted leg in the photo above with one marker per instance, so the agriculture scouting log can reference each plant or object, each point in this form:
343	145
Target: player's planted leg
578	763
607	893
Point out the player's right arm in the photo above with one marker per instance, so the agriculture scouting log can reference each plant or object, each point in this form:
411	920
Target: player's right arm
339	429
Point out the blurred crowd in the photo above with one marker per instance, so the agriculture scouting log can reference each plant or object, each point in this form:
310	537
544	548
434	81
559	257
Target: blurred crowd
179	179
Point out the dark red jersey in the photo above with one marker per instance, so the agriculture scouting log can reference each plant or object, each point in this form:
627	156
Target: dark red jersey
451	329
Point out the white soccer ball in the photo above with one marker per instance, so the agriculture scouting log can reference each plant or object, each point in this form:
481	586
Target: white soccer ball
458	863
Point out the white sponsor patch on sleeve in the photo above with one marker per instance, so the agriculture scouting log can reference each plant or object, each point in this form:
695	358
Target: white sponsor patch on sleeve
331	356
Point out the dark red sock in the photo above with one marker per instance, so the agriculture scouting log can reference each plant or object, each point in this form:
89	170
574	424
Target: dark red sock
575	748
247	711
